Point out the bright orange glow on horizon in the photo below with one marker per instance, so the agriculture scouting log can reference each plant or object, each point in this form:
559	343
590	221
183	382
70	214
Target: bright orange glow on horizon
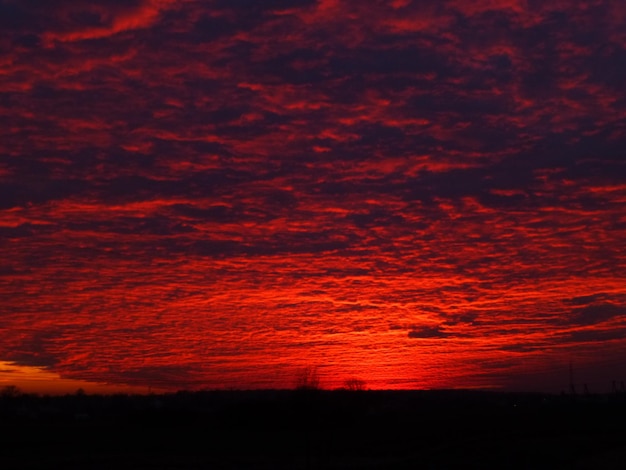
40	381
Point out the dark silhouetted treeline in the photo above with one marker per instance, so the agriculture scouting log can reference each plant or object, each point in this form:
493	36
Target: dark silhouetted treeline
312	428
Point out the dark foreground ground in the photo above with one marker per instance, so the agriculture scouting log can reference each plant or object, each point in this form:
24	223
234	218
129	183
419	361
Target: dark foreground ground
312	429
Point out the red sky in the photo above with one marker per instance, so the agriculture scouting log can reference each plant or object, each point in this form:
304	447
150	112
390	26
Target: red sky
218	194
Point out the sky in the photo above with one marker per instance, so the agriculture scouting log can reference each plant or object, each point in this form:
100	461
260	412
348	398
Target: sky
221	194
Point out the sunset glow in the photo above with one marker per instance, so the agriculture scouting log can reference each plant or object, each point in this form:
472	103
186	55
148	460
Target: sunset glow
218	194
38	380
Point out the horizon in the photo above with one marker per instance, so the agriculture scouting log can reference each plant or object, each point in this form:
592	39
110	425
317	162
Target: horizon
20	379
417	195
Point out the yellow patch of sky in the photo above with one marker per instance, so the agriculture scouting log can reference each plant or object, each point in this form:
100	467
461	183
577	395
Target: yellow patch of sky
30	379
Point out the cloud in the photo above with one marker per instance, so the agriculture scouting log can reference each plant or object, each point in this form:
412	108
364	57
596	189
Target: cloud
588	299
427	332
597	336
597	313
311	172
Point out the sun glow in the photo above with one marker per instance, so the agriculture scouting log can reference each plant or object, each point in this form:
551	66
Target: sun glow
30	379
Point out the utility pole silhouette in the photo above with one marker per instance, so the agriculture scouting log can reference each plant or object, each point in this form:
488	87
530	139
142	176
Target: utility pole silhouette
617	389
572	386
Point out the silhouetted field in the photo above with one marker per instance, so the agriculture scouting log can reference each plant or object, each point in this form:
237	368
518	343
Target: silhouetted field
313	429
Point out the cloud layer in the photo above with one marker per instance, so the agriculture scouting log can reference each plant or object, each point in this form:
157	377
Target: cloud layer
219	193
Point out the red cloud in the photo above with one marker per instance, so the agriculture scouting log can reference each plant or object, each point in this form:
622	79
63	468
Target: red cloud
111	20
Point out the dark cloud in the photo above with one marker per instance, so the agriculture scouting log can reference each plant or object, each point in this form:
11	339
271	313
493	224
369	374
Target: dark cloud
63	14
465	318
271	5
587	299
428	332
35	350
597	336
37	191
597	313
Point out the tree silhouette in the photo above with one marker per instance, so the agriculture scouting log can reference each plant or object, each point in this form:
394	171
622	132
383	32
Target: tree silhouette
11	391
354	384
308	379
